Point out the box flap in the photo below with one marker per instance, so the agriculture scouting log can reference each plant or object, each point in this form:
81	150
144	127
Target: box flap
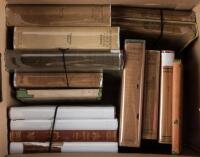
170	4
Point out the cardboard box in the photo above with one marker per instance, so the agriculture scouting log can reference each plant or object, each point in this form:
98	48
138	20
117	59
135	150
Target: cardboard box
192	92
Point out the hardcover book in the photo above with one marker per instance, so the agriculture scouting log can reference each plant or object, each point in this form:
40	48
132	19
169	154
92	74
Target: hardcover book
62	147
132	94
71	124
151	95
64	136
57	61
63	112
106	38
58	15
165	124
58	80
177	107
30	95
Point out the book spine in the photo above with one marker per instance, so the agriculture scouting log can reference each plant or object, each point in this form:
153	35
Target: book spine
58	80
132	94
165	124
72	124
177	107
52	61
99	38
62	147
58	95
65	136
60	15
151	95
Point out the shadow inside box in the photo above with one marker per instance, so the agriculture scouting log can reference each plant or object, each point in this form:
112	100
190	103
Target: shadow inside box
148	147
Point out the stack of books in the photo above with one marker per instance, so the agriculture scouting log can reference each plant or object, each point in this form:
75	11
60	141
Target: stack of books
63	56
60	54
77	129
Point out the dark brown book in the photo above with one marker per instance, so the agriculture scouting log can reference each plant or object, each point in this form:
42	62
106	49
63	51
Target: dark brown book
58	80
65	136
58	15
151	95
132	94
165	124
177	107
53	61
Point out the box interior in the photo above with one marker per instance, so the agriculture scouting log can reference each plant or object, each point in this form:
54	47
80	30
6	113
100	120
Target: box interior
191	60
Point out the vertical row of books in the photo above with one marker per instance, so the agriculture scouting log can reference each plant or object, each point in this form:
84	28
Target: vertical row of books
151	101
61	60
61	53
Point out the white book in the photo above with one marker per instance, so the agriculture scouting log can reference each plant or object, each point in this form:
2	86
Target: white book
25	147
64	112
83	124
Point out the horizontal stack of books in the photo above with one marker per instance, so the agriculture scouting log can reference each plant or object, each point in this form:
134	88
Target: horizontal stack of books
77	129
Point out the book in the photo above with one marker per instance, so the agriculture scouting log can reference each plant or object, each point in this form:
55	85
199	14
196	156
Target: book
66	38
58	80
165	122
72	124
177	107
175	4
63	112
153	14
64	136
62	147
30	95
58	15
56	61
132	94
151	95
175	27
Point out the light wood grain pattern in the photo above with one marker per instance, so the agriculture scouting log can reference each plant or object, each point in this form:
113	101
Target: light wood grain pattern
177	107
151	95
132	94
58	15
58	80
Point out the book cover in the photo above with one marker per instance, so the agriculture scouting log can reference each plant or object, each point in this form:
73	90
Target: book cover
62	147
105	38
58	80
165	122
177	107
132	94
72	124
63	112
64	136
27	95
58	15
55	61
151	95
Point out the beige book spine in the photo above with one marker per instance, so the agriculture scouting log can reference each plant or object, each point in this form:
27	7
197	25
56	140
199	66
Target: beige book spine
132	94
100	38
177	107
58	15
60	94
58	80
151	95
165	123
